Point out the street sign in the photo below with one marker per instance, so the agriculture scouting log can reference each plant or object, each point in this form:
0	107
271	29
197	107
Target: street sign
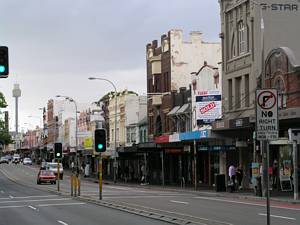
266	114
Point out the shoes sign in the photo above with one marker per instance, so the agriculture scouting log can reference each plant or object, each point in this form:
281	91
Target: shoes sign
266	114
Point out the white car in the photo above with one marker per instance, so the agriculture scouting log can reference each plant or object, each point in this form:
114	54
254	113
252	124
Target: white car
52	166
16	159
27	161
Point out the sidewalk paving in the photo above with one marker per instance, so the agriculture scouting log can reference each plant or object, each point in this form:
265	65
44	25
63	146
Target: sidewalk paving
201	191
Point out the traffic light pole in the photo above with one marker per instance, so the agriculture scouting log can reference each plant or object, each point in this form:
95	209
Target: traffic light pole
100	176
58	176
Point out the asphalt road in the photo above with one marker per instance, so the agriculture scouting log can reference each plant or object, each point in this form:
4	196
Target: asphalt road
194	207
20	204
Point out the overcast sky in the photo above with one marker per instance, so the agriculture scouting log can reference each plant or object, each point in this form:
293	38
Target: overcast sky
55	45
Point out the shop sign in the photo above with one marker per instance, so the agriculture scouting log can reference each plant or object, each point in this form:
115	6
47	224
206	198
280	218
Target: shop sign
216	148
208	106
174	151
174	137
266	114
193	135
239	123
88	143
162	139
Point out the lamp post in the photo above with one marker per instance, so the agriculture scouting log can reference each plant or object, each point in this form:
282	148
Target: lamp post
115	132
76	125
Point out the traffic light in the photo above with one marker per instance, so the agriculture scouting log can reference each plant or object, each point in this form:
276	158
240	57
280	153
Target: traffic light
100	140
3	61
58	150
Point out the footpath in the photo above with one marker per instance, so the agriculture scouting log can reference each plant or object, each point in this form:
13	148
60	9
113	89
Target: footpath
286	197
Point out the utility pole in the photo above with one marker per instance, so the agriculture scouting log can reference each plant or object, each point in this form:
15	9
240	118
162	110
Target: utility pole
16	95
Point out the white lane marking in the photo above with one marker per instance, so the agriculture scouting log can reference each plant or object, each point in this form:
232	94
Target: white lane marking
10	196
120	188
275	216
176	213
142	196
32	207
2	192
62	204
12	206
62	222
179	202
246	203
37	200
36	196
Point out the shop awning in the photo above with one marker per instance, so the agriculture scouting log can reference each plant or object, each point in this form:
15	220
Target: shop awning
184	109
173	111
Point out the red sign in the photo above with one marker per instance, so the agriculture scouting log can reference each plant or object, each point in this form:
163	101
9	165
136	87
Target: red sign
208	107
162	139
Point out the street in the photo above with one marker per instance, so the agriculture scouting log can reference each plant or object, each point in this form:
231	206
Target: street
198	208
20	204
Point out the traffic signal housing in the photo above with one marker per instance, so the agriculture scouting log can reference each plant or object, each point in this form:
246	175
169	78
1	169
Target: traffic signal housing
100	140
58	151
4	69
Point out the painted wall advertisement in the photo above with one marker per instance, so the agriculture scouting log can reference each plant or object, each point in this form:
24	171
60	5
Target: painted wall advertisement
208	106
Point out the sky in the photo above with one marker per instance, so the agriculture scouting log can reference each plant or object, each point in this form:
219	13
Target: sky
55	45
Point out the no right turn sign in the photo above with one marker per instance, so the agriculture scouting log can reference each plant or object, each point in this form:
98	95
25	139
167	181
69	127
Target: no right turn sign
266	114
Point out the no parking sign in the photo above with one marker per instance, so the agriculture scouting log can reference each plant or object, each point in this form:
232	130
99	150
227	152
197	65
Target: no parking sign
266	114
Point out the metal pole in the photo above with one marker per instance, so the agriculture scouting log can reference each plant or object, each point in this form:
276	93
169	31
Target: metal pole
100	176
295	178
76	148
58	176
195	164
266	180
115	157
162	168
17	128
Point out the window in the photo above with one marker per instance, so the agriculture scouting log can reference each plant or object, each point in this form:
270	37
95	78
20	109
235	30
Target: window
282	97
238	98
242	38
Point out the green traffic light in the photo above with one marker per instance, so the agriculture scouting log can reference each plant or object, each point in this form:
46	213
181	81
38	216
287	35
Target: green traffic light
2	68
100	146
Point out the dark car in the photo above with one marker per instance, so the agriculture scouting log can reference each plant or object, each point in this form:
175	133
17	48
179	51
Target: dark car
46	176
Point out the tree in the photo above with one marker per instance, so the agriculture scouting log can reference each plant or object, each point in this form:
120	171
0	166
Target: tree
5	137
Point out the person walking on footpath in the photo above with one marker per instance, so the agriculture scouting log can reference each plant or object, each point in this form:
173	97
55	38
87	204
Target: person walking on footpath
232	175
239	176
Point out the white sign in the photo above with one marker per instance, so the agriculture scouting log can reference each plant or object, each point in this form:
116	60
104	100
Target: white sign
266	114
208	106
84	134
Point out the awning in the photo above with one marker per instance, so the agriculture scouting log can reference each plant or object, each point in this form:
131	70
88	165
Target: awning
184	109
173	111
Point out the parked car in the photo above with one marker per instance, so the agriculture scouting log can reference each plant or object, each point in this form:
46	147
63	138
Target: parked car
52	166
46	176
16	159
27	161
4	159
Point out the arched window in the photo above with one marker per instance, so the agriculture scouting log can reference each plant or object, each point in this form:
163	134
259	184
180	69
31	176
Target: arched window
279	85
242	38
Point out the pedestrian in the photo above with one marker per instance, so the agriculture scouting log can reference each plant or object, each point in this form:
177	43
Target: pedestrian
232	175
142	174
239	176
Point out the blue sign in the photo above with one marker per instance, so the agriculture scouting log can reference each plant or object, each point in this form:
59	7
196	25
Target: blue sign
193	135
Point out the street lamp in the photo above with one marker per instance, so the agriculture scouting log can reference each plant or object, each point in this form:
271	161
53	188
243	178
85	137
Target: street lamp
115	140
76	126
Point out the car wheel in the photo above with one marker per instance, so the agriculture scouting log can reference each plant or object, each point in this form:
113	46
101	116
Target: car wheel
38	182
61	177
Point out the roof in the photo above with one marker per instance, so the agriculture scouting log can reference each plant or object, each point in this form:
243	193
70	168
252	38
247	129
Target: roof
173	111
184	109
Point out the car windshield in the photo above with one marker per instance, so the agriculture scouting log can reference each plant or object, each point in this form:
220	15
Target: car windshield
46	173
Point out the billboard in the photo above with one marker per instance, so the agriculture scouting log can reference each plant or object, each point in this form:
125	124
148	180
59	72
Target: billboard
208	106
